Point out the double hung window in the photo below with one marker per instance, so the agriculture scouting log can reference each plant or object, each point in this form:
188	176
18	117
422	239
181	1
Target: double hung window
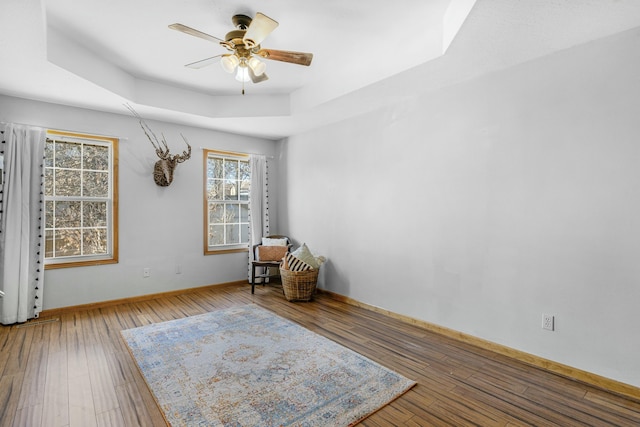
81	199
226	201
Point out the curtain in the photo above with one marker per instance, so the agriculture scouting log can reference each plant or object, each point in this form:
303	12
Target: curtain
258	204
21	234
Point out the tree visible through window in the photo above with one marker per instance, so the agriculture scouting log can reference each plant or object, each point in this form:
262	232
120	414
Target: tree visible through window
227	183
80	199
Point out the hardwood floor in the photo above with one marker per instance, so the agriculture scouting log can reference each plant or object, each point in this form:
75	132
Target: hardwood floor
76	371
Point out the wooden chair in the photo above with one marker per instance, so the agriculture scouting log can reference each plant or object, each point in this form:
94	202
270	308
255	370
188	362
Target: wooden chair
266	265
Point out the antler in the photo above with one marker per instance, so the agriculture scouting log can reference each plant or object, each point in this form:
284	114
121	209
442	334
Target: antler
179	158
158	144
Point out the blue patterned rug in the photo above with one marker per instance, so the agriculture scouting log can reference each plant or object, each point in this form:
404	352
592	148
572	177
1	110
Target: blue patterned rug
246	366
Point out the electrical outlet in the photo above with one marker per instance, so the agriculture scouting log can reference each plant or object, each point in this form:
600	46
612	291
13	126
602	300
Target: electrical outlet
547	322
146	272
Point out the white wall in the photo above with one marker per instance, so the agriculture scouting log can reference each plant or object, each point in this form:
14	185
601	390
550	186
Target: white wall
479	207
160	227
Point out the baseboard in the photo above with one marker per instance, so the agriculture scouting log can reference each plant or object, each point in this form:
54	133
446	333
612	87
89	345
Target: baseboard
139	298
576	374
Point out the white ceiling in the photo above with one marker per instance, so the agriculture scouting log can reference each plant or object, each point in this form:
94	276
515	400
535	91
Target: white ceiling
100	54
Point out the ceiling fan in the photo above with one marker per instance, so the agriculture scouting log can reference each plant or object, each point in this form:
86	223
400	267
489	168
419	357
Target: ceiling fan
243	43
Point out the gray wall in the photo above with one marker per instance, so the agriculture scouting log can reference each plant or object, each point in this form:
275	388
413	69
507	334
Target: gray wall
481	206
160	227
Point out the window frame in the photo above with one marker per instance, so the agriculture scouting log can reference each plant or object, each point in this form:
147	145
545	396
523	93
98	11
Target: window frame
112	201
224	249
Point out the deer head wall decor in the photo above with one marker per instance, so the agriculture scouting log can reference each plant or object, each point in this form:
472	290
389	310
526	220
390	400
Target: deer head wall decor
163	169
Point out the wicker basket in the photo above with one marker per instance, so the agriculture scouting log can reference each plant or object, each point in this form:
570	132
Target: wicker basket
299	285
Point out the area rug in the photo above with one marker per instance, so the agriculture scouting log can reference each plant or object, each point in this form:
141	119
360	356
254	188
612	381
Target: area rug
246	366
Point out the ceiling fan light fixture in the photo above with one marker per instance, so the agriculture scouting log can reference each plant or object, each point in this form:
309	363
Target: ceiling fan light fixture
257	66
229	63
244	46
242	75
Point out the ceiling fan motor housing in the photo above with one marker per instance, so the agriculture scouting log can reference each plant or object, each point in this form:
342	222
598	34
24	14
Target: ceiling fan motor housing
236	44
235	38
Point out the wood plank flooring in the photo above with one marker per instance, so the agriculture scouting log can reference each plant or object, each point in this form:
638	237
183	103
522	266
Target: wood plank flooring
78	372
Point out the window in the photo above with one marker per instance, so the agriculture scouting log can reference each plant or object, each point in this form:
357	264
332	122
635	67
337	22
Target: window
81	200
226	200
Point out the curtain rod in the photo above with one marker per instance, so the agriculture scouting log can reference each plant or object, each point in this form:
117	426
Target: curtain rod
122	138
237	152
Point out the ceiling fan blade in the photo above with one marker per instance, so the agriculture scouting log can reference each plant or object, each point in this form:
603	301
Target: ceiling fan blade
194	32
257	79
299	58
204	62
261	26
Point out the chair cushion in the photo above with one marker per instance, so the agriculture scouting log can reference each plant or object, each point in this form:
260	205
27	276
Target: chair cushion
295	264
271	253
